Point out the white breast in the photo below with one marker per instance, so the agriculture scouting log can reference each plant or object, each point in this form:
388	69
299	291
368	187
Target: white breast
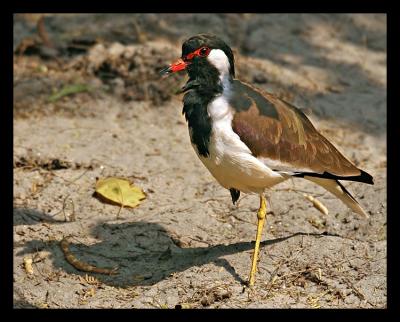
230	161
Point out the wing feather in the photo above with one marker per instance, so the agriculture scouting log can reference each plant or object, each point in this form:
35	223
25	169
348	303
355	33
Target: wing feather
282	135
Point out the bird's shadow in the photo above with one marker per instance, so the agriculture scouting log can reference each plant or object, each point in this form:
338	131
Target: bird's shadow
145	253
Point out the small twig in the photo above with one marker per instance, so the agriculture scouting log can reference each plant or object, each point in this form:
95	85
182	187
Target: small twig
240	200
137	177
43	33
119	211
282	262
182	210
240	219
159	172
214	199
300	191
200	241
141	37
77	178
82	266
37	268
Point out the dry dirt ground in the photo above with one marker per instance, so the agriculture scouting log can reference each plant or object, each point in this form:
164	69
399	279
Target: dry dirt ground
186	245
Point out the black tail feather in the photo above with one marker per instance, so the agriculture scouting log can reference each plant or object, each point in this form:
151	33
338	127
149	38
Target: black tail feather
363	177
346	191
235	194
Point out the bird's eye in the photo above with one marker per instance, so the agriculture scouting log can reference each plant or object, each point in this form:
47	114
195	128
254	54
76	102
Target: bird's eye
204	51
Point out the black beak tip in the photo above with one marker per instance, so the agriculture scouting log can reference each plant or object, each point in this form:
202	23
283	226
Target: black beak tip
165	71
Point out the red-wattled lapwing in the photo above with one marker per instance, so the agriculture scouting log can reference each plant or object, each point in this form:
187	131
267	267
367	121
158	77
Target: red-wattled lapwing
251	140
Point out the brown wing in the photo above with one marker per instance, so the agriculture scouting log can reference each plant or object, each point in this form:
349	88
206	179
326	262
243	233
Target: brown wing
281	134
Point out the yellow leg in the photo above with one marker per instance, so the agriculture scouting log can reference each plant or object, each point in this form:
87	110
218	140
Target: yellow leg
261	214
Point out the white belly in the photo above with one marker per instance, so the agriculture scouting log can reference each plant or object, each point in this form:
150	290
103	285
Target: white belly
230	161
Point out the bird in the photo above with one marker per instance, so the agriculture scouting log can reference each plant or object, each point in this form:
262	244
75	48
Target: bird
251	140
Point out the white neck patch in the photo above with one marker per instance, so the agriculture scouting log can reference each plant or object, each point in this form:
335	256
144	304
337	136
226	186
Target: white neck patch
221	62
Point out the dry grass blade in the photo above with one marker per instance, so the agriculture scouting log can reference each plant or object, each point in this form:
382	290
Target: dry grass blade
317	204
28	265
68	90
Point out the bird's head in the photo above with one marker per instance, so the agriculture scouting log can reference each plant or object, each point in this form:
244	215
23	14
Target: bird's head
204	56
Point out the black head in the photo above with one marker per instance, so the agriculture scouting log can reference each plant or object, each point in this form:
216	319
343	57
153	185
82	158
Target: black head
205	57
204	43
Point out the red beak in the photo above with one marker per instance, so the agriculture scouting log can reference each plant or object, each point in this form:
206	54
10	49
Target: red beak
174	67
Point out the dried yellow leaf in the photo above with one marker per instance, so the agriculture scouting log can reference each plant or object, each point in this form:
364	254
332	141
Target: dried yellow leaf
120	191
